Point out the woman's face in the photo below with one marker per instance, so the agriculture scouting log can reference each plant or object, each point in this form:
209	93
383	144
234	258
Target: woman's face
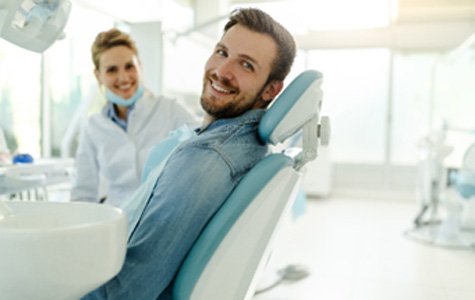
119	71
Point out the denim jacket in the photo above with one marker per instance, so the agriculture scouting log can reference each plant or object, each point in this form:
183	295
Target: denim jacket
197	178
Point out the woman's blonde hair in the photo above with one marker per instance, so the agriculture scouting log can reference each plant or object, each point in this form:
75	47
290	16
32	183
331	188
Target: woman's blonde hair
109	39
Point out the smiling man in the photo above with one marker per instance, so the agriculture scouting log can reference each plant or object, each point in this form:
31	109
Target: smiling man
243	75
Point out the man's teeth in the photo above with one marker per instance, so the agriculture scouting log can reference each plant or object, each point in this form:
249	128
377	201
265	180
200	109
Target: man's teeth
220	89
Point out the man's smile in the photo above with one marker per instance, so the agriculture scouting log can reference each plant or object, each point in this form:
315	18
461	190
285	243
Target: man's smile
221	89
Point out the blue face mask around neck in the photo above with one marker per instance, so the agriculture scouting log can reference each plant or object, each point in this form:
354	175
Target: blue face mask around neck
116	99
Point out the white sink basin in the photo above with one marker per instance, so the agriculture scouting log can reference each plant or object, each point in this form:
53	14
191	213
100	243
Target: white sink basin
52	250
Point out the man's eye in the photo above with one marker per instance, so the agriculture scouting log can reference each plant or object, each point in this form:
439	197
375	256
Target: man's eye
221	52
248	66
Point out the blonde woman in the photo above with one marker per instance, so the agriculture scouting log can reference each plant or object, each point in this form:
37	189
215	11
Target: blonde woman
116	142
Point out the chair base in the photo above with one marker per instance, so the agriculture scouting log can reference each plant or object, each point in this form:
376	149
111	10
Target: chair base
444	235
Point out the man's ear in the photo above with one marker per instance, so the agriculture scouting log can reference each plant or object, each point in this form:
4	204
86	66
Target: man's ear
272	89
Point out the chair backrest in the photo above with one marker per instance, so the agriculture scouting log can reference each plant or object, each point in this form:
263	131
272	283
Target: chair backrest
468	162
230	254
464	179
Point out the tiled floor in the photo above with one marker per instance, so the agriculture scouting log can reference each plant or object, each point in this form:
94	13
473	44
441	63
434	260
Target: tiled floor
356	250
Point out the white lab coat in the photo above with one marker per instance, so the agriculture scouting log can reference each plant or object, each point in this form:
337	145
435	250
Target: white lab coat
107	152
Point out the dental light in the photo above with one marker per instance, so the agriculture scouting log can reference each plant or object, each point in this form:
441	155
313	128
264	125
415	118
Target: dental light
33	24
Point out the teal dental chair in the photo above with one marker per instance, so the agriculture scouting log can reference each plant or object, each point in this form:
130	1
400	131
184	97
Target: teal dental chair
464	179
455	226
464	182
230	254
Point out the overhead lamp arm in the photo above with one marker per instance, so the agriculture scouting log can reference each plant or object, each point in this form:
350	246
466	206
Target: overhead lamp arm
33	24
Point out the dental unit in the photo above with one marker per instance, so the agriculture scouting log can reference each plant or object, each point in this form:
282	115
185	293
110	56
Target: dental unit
52	250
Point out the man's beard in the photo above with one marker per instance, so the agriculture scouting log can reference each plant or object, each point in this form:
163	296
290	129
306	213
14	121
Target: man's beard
232	109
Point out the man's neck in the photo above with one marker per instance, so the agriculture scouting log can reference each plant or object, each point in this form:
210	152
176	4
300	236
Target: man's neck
207	119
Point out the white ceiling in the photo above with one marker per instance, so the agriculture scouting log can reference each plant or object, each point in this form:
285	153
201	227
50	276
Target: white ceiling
435	10
408	10
126	10
420	23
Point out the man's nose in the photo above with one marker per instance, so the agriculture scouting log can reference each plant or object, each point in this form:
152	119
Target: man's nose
225	70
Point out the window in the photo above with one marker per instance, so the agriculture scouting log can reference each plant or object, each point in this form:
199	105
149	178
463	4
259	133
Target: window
355	87
184	66
432	92
65	71
20	100
69	76
327	15
411	104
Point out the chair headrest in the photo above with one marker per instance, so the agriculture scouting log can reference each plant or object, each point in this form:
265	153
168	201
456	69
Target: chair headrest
299	103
